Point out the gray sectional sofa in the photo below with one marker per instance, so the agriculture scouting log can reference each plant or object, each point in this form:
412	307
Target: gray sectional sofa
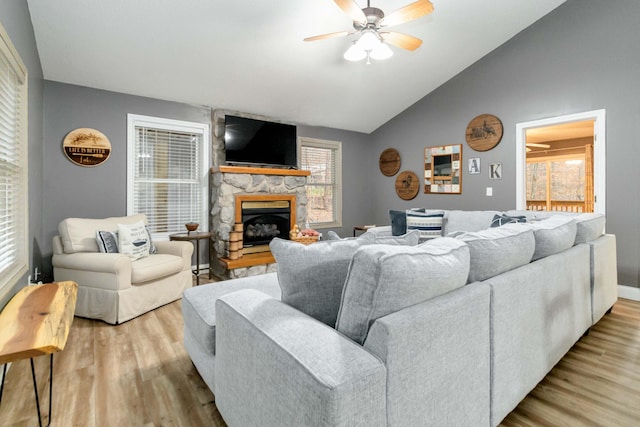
451	331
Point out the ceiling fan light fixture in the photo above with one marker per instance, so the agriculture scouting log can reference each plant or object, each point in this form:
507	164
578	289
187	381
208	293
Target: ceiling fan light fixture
369	40
355	53
381	52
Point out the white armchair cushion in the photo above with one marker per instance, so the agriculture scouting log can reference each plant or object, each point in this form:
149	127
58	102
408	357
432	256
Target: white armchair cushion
154	267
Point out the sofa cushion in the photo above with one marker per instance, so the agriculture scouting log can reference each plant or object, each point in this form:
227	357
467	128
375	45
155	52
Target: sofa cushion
79	234
198	304
154	267
590	226
428	223
496	250
133	240
468	221
312	276
552	235
384	279
410	239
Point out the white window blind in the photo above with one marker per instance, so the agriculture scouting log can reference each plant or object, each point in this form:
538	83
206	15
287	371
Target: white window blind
14	188
168	164
324	187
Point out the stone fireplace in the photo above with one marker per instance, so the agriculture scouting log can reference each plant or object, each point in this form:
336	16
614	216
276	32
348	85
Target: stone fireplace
267	202
230	187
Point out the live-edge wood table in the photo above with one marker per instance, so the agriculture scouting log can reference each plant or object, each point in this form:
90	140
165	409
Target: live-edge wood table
197	236
36	322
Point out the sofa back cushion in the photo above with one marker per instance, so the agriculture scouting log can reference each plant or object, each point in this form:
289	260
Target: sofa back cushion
384	279
312	276
590	226
468	221
552	235
79	234
496	250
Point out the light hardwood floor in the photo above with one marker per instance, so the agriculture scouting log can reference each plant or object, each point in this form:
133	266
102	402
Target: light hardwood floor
139	374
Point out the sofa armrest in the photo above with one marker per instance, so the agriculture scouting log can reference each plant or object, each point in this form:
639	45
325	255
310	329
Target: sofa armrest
437	355
96	262
182	249
277	366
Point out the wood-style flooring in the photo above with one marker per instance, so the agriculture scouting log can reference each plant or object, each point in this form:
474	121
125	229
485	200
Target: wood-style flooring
139	374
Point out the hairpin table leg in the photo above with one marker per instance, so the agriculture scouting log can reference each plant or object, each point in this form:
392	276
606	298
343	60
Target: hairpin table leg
35	389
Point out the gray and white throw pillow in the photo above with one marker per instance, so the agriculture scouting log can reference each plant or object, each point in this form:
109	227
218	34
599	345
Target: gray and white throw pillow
384	279
107	241
428	223
311	277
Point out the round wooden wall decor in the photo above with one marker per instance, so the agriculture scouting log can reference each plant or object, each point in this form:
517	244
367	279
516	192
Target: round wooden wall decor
389	162
484	132
407	185
86	147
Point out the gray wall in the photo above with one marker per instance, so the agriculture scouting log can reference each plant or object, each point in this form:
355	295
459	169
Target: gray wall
16	20
100	191
75	191
584	56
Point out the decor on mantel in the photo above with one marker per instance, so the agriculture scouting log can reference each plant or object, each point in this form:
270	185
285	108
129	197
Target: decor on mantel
407	185
442	172
86	147
370	22
484	132
389	162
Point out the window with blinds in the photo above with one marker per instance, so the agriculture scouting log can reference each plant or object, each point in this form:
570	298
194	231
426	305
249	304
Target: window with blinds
324	187
167	173
14	190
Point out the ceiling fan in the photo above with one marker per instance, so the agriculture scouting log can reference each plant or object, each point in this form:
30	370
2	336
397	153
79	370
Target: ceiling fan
370	22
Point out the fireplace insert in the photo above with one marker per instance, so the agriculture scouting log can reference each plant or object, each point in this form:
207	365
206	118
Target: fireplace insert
262	221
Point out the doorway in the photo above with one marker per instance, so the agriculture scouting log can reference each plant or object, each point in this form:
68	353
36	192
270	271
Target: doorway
560	163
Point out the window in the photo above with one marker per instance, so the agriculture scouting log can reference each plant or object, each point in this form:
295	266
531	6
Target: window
167	171
14	190
324	187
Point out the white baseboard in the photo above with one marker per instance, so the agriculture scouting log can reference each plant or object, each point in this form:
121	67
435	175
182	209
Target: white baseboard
629	292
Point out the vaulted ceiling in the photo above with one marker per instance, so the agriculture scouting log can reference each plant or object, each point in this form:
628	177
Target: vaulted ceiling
249	56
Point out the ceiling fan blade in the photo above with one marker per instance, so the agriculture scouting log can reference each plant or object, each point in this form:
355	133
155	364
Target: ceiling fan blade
326	36
532	144
408	13
351	8
403	41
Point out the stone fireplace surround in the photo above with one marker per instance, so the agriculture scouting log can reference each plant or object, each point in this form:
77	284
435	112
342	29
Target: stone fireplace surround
228	182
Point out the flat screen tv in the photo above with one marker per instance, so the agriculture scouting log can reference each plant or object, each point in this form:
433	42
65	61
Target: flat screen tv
258	142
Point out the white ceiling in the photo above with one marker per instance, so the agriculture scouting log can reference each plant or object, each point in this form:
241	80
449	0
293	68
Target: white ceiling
249	56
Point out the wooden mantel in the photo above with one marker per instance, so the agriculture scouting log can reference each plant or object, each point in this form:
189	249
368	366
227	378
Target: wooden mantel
260	171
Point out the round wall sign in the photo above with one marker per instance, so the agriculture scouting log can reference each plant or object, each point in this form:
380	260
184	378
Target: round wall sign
484	132
407	185
389	162
86	147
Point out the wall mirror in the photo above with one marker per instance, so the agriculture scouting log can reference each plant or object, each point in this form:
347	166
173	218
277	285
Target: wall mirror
442	173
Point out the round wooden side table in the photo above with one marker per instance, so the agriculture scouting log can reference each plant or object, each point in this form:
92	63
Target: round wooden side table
191	236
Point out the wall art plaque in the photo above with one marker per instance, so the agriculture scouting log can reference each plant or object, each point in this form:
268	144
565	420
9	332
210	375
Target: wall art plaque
86	147
484	132
389	162
407	185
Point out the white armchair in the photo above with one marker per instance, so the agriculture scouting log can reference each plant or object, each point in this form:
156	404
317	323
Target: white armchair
111	286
